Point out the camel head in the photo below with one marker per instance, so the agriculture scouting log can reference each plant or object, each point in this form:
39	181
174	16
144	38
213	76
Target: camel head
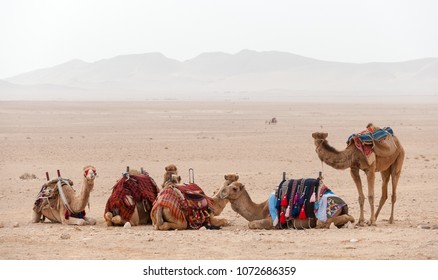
318	136
231	177
90	172
171	175
232	191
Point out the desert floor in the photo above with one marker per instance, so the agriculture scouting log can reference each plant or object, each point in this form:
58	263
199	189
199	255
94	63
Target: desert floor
213	138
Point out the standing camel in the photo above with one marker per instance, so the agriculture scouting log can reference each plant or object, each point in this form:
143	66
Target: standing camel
389	167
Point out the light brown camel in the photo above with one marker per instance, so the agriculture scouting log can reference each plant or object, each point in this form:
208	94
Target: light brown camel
50	205
141	212
258	213
163	217
388	166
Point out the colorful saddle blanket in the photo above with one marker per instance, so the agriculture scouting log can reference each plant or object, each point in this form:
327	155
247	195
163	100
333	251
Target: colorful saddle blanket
328	204
295	199
374	143
140	187
367	137
187	200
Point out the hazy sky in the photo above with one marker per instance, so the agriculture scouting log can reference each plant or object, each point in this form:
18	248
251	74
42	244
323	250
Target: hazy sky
43	33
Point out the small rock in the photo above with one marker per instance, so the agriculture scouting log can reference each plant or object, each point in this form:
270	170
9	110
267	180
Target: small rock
127	225
425	227
349	225
332	226
78	228
203	228
150	239
354	240
16	224
65	236
2	225
435	227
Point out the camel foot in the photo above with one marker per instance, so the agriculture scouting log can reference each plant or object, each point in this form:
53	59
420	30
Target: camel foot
108	218
117	220
361	224
372	223
391	220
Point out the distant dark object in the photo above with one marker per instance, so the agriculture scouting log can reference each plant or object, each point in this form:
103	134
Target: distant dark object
272	121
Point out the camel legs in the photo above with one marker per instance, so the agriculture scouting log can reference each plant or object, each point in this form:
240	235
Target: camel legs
265	223
395	175
371	176
109	218
171	222
385	180
217	221
358	182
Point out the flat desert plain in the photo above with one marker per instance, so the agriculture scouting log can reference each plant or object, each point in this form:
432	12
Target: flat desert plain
214	138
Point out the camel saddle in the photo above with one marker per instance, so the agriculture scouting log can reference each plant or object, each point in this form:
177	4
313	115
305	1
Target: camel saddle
374	142
296	202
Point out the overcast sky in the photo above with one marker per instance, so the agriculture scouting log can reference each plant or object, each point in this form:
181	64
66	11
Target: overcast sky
37	34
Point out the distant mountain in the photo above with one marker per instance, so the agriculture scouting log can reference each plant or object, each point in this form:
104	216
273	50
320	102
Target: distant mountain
246	74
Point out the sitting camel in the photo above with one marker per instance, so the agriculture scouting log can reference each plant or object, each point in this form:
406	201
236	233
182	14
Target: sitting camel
258	214
131	200
183	206
57	201
389	166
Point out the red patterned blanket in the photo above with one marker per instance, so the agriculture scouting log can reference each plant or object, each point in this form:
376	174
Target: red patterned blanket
140	187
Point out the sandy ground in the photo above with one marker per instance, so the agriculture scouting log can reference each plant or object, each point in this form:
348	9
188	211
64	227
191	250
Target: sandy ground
214	139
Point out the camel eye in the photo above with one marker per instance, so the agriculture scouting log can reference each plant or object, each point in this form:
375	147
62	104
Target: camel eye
235	189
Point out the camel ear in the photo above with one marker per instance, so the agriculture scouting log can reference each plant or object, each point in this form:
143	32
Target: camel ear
226	177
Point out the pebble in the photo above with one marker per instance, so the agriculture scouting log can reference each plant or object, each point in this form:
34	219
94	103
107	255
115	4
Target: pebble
150	239
127	225
65	236
2	225
423	227
16	224
354	240
203	228
332	226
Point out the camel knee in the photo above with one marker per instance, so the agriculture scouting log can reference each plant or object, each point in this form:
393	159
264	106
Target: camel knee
117	220
36	217
361	199
393	198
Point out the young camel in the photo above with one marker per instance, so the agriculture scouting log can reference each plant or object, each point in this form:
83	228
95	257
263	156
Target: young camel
258	213
50	205
389	167
165	218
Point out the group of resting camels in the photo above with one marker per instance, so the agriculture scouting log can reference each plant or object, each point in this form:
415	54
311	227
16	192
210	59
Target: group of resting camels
58	202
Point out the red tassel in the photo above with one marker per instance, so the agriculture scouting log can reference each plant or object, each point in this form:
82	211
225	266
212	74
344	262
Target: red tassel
282	218
284	201
66	215
302	215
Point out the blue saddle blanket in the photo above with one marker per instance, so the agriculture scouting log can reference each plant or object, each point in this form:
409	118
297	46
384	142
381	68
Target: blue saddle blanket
369	138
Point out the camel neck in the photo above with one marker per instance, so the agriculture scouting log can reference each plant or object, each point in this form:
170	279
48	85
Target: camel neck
248	209
218	204
334	158
79	204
